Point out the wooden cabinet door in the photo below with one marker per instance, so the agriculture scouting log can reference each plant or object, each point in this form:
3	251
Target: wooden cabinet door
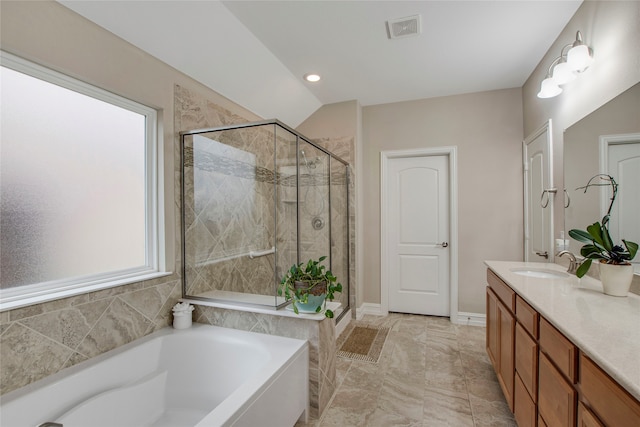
524	408
500	343
541	422
492	328
556	397
586	418
559	349
506	325
527	361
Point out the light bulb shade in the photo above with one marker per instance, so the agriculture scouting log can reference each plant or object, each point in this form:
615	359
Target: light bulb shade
549	89
579	58
562	73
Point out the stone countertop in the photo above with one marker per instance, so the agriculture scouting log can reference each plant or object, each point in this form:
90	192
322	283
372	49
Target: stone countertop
605	328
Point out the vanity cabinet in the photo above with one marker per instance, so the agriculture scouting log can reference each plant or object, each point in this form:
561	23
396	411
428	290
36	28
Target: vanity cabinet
545	378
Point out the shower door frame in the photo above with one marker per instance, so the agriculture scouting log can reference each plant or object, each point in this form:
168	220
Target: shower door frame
276	123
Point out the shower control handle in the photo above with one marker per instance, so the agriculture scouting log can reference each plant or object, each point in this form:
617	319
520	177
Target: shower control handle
443	244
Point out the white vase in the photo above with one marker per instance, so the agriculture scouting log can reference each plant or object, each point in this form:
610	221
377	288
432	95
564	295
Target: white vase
616	279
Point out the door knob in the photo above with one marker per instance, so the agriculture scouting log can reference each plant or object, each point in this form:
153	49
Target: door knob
443	244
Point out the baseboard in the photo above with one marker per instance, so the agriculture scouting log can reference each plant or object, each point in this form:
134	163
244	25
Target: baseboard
343	323
472	319
369	308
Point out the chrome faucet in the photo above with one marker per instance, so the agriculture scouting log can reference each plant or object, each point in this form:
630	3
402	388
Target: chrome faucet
573	263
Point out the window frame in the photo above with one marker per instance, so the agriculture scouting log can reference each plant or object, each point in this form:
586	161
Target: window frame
155	262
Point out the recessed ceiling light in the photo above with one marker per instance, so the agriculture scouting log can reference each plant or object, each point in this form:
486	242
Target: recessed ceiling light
312	77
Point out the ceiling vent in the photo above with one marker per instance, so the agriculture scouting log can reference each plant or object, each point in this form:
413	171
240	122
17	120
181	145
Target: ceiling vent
404	27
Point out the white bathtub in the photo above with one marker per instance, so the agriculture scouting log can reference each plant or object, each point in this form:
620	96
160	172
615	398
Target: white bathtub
203	376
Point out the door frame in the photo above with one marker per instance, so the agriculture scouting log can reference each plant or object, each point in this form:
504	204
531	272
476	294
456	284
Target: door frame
605	142
451	153
546	127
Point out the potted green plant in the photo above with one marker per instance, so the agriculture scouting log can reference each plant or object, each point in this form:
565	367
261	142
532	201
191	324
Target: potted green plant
309	286
616	272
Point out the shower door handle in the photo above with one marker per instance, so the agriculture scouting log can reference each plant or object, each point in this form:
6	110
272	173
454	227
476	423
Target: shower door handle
443	244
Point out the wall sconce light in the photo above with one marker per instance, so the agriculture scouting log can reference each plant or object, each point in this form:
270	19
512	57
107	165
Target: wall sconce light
566	67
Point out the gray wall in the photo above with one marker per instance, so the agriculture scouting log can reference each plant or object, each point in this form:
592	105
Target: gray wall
487	129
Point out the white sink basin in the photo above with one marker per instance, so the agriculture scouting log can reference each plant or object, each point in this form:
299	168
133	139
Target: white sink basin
540	273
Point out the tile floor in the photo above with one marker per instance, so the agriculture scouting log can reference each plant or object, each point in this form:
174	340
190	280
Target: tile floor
430	373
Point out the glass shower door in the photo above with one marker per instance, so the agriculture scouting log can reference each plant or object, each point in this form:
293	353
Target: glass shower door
313	204
339	201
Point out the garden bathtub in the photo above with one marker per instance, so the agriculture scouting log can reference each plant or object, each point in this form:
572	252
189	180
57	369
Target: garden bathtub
202	376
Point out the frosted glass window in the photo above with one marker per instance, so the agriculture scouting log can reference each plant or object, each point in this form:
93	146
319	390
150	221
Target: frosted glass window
76	184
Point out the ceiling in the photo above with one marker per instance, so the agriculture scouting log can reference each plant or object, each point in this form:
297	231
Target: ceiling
256	52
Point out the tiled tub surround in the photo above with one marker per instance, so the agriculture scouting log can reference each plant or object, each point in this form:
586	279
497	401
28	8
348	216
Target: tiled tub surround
42	339
319	333
603	327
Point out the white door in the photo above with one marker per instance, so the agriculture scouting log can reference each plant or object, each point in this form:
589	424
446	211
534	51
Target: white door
417	212
624	167
539	196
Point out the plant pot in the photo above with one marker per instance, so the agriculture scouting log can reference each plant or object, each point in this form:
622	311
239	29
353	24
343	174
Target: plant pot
317	295
616	278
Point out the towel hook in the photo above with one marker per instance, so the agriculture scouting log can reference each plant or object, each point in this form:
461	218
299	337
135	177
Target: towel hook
568	199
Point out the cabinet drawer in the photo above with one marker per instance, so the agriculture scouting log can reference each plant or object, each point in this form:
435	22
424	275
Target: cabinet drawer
527	361
527	316
559	349
610	402
502	290
524	409
586	418
556	397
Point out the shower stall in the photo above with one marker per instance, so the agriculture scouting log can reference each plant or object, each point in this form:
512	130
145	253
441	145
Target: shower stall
256	199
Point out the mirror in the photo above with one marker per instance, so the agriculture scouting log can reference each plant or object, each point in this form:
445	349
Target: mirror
606	141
